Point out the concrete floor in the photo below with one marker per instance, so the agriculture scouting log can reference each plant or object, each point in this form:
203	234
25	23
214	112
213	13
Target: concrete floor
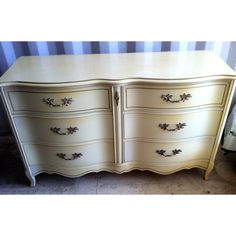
13	181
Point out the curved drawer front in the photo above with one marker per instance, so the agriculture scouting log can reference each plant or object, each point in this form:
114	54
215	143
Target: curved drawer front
81	100
64	130
172	152
73	156
171	127
153	97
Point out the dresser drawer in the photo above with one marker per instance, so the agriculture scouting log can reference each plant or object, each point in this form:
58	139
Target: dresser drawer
171	126
64	130
160	97
146	152
70	156
51	101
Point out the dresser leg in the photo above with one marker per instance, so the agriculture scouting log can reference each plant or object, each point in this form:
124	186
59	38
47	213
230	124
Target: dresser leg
208	170
206	175
31	178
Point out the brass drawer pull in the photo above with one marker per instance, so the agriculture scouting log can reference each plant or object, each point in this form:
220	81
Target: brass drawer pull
74	156
65	102
177	126
183	97
70	130
174	152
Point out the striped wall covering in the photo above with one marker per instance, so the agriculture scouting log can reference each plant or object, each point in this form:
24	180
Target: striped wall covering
10	51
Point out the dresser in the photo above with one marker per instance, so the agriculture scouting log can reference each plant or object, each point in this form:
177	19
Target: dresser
75	114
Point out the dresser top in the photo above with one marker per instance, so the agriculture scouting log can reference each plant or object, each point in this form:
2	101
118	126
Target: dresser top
94	67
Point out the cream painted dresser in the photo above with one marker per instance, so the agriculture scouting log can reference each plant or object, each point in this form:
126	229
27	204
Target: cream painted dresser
162	112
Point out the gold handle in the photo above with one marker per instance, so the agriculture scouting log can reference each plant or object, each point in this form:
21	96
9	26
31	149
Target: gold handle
177	126
70	130
183	97
65	102
74	156
174	152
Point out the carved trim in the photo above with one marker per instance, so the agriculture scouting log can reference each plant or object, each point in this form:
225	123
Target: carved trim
74	156
183	97
70	130
174	152
178	126
131	167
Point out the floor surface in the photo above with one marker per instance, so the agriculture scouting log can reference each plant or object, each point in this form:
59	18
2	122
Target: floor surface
13	181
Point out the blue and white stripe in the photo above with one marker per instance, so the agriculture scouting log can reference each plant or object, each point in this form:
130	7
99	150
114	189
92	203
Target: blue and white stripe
10	51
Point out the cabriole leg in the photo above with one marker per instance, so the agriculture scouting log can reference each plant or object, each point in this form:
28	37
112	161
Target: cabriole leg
207	172
31	178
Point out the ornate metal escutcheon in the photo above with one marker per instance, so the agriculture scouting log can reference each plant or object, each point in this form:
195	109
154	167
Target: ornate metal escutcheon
174	152
177	126
116	97
65	102
74	156
183	97
70	130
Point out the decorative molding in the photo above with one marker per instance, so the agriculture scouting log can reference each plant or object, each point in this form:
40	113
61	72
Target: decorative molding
75	91
126	167
203	84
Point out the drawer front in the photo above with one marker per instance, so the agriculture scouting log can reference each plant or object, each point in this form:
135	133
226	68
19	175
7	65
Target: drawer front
70	156
167	153
171	126
64	130
82	100
153	97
